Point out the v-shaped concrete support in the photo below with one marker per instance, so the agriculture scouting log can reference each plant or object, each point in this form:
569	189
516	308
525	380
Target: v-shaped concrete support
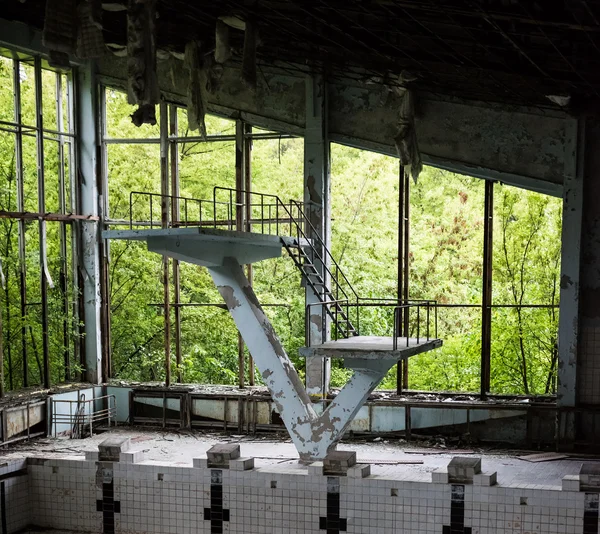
313	434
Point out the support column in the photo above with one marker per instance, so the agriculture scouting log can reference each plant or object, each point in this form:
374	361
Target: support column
174	160
568	332
165	223
486	297
248	188
240	199
89	231
403	267
317	188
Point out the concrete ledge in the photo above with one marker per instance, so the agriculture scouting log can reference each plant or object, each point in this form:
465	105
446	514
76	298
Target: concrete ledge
241	464
111	448
221	454
200	463
92	456
485	479
462	470
589	476
440	476
338	462
571	483
359	471
316	468
132	457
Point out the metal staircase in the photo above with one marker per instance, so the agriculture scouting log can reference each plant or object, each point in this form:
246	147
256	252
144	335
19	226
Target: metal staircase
334	291
232	209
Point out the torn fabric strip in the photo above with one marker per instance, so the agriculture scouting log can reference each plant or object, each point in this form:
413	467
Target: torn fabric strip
141	60
406	139
196	93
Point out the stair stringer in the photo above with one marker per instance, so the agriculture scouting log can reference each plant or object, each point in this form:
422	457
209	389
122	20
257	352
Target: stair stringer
314	435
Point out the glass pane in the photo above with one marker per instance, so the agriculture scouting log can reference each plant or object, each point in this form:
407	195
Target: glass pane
137	350
51	176
7	104
134	168
527	248
8	172
278	168
30	175
28	111
118	118
214	125
49	97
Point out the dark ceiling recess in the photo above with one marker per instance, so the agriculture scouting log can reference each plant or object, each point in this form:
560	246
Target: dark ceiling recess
513	51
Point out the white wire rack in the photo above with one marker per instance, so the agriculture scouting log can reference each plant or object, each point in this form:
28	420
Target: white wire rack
82	413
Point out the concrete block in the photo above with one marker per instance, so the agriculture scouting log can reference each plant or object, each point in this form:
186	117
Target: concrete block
462	469
111	448
92	456
200	463
485	479
131	457
359	471
571	483
338	462
440	476
241	464
220	454
589	476
316	468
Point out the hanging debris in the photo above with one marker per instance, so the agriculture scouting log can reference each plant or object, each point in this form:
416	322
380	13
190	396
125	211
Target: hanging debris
96	13
222	46
196	91
249	59
90	41
141	60
406	142
60	26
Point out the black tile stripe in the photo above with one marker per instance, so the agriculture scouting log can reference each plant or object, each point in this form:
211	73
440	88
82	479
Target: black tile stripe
590	513
13	474
108	506
333	523
457	512
3	505
216	514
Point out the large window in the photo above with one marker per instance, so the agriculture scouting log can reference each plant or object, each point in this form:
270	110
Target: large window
38	207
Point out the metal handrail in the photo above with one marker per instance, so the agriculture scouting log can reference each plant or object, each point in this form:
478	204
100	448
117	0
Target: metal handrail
185	220
405	308
76	417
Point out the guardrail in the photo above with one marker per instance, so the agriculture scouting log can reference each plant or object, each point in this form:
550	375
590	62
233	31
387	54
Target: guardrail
82	413
408	318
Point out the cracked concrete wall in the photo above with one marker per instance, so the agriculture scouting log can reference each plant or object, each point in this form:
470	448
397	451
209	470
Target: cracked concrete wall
524	142
278	102
520	146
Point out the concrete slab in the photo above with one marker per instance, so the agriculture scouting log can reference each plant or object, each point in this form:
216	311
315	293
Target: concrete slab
208	246
370	348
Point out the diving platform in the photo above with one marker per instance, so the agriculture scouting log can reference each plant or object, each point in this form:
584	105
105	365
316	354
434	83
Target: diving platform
371	348
209	246
213	242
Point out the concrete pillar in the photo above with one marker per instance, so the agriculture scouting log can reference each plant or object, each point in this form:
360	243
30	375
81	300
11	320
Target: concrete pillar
89	238
588	348
317	198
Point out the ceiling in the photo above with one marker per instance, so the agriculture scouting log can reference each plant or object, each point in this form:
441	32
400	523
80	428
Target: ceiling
510	51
